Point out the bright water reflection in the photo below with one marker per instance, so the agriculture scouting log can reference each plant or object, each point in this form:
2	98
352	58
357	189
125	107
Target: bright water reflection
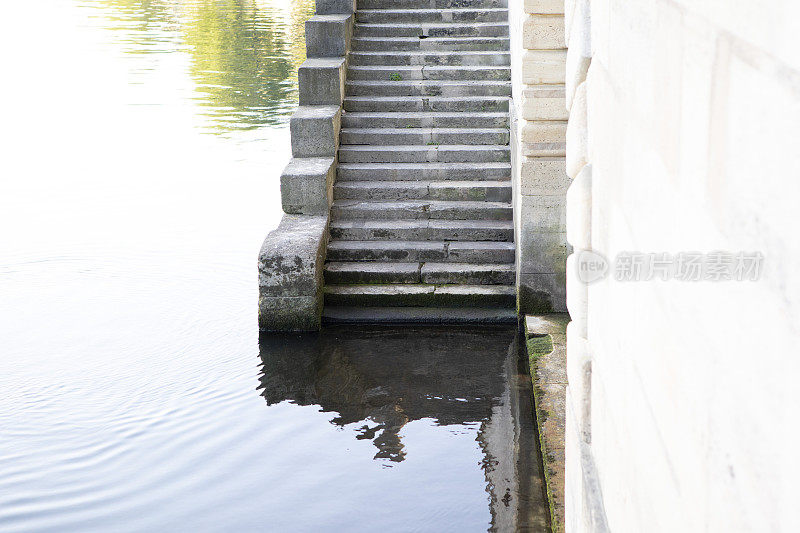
139	174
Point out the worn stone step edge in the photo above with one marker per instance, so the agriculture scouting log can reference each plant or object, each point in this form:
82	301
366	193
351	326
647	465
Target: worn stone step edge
421	209
421	57
426	103
432	29
332	314
424	153
423	171
421	251
494	191
422	230
423	136
423	119
449	44
410	73
380	272
417	295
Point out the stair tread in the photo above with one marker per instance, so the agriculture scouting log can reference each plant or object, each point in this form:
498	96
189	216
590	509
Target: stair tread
423	315
402	184
367	266
422	223
419	288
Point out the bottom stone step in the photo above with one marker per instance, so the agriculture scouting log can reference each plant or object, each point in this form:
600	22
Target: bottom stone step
422	295
417	315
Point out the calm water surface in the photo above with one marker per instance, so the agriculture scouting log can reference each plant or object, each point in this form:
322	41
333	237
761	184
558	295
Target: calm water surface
143	144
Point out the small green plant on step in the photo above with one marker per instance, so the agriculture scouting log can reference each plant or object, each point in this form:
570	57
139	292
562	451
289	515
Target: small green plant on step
395	76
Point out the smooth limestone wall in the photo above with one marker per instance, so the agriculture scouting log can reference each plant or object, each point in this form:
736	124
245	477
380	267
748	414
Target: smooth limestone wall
683	136
538	129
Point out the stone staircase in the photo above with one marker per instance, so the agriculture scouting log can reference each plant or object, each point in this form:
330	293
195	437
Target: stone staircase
421	225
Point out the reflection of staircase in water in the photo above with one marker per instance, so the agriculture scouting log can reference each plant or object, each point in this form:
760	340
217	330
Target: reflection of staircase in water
380	379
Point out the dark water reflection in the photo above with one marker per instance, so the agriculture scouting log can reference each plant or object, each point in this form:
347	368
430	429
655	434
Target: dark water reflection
469	384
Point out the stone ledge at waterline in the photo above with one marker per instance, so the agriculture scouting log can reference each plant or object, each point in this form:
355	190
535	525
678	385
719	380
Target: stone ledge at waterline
290	274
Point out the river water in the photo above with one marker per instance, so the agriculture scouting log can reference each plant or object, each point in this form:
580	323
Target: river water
143	142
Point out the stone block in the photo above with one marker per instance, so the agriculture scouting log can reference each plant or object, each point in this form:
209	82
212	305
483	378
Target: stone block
544	138
543	176
547	7
541	293
543	32
543	214
307	185
579	377
577	295
321	81
544	102
315	131
335	7
290	274
289	313
577	134
328	35
543	66
553	324
542	252
579	210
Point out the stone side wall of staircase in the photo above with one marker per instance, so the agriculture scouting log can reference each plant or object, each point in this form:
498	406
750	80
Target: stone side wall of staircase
291	260
539	128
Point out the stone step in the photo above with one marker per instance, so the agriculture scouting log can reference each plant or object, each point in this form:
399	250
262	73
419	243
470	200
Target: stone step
491	191
473	58
434	73
423	171
422	230
430	4
421	209
434	44
366	272
423	136
424	104
428	88
333	314
422	251
389	16
424	154
425	120
481	29
418	295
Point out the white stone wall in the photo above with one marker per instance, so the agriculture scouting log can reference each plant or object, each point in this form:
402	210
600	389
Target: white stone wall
684	135
538	141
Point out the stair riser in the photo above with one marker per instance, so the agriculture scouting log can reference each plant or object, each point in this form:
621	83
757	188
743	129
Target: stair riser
409	16
431	4
433	45
428	88
411	252
422	192
422	104
469	278
422	211
422	300
354	154
413	30
411	136
450	59
422	234
498	171
428	73
418	315
465	120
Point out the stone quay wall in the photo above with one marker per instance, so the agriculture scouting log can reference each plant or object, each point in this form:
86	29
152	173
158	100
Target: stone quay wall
683	137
